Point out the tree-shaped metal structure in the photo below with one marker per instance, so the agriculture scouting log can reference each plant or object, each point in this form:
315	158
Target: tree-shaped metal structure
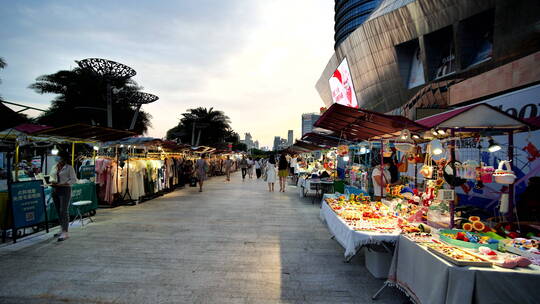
137	99
109	70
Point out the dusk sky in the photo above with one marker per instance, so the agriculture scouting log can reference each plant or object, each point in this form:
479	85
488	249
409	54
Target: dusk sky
256	60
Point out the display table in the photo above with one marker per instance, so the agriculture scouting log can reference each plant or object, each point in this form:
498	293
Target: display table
426	278
350	239
79	192
314	185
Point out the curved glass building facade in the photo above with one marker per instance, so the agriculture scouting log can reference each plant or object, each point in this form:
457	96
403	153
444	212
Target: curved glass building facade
350	14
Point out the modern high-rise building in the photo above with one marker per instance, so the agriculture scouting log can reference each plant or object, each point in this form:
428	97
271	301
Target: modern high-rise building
277	143
308	119
250	144
290	138
350	14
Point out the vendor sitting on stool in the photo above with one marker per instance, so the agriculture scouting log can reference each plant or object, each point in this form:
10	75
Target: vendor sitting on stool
380	180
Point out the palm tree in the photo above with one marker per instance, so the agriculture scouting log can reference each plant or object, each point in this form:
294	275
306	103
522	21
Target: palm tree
81	97
202	126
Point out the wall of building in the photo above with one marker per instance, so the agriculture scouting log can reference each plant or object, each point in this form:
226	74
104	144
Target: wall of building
376	49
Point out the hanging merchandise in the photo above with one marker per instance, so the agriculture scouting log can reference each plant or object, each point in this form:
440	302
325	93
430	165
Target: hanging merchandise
504	174
403	165
486	174
427	168
504	204
404	143
416	156
343	150
387	151
450	176
468	169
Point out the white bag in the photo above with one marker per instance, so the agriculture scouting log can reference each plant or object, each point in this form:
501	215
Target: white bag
504	174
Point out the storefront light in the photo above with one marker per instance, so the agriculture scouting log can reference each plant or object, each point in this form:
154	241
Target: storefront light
436	147
493	146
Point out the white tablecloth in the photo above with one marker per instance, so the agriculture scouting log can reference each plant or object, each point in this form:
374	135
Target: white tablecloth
426	278
350	239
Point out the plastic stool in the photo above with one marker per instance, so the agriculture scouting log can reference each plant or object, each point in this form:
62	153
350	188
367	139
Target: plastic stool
79	214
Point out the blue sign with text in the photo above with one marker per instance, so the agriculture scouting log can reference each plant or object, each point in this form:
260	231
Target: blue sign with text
28	203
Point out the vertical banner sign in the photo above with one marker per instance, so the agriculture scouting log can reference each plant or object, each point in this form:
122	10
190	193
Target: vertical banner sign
341	86
27	203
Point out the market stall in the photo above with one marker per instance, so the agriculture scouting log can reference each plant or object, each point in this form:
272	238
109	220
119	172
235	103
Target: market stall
429	278
32	150
434	263
474	263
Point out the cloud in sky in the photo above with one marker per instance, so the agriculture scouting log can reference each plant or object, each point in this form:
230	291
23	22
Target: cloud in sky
256	60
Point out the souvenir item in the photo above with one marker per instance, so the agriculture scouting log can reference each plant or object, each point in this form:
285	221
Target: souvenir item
458	256
486	174
404	143
504	174
427	168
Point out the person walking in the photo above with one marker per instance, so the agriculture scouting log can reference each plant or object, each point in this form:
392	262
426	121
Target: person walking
62	176
201	169
251	164
243	166
228	167
258	167
270	173
283	167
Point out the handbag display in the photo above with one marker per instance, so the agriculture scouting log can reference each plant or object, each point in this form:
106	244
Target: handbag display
427	168
403	165
504	174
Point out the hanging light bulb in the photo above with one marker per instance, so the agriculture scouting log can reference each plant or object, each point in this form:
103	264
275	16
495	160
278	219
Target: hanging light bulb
436	147
415	136
96	148
441	132
493	146
54	150
434	132
121	146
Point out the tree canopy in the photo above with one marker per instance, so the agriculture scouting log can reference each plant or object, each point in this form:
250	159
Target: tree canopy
81	98
207	126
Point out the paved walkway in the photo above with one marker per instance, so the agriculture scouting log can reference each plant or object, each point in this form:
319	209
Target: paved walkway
233	243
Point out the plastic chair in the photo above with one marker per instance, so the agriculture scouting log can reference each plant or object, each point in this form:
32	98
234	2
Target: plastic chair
79	216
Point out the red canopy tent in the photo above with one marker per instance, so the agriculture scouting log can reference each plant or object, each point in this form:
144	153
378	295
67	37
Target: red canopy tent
360	124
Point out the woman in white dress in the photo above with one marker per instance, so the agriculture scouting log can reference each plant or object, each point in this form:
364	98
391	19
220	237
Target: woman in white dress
271	173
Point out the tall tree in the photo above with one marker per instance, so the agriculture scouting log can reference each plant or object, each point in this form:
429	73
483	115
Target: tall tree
81	97
206	126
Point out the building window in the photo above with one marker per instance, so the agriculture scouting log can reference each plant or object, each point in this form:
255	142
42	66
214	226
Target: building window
411	67
440	53
476	38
